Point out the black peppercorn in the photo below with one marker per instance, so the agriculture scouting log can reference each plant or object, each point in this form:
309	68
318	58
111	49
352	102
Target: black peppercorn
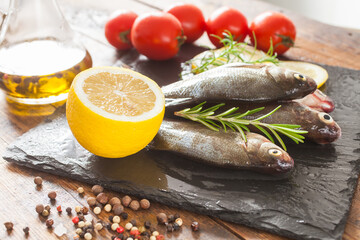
145	234
176	215
107	226
124	215
169	227
176	226
133	222
26	230
195	226
68	210
81	217
147	224
113	237
171	218
121	236
49	223
82	235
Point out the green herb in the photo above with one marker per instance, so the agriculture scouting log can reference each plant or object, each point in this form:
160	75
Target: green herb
236	122
231	52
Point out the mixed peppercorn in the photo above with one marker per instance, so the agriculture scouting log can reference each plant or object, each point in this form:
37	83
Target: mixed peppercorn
85	229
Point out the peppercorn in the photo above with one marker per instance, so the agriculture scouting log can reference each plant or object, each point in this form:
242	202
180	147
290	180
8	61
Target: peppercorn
99	205
97	189
116	219
169	227
152	238
9	226
98	226
134	228
80	190
88	236
102	198
195	226
115	200
26	230
49	223
91	201
77	209
160	237
76	237
85	210
145	234
142	229
176	226
176	215
147	224
107	208
111	218
179	221
134	205
39	208
97	210
68	210
129	238
124	215
88	224
120	237
81	224
75	220
82	235
114	226
38	181
45	213
120	229
81	217
133	222
48	208
58	208
78	231
113	237
161	218
118	209
108	226
145	204
134	232
155	233
52	195
128	226
126	200
171	218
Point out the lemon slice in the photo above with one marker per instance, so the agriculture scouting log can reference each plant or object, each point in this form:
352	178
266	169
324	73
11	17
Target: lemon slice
319	74
114	112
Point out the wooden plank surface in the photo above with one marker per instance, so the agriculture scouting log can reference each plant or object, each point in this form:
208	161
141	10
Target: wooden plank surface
315	42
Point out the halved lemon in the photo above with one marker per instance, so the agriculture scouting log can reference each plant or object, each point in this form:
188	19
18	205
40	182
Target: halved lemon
319	74
114	112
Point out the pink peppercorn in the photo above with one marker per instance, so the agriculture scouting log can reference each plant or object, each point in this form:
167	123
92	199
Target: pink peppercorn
75	220
160	237
120	229
59	209
135	232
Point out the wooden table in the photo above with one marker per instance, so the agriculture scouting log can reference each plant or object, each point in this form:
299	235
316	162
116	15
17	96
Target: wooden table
315	42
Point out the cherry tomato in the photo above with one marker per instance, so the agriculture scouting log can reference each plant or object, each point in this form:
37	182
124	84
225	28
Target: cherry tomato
226	18
275	26
191	18
117	29
157	35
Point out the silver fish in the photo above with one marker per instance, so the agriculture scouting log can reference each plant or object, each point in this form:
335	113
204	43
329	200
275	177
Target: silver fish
246	82
226	150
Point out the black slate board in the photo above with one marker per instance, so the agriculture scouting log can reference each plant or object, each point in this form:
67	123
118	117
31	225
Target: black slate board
310	203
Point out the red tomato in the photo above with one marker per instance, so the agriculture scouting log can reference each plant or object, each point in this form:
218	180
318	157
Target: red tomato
157	35
117	29
191	18
226	18
275	26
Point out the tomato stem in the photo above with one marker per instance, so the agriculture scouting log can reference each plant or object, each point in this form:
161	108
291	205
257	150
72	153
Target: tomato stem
124	36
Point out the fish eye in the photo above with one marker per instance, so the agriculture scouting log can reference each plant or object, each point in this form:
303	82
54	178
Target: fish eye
300	77
326	118
275	152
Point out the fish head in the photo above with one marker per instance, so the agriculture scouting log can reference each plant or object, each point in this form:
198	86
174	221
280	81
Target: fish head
324	129
294	84
269	157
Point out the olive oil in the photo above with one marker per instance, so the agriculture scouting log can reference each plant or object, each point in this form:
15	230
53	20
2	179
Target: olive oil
40	72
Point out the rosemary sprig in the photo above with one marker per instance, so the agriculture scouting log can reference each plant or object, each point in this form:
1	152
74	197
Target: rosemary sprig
236	122
231	52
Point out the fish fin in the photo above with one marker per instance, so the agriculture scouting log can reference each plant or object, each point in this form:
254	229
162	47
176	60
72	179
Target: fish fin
240	64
